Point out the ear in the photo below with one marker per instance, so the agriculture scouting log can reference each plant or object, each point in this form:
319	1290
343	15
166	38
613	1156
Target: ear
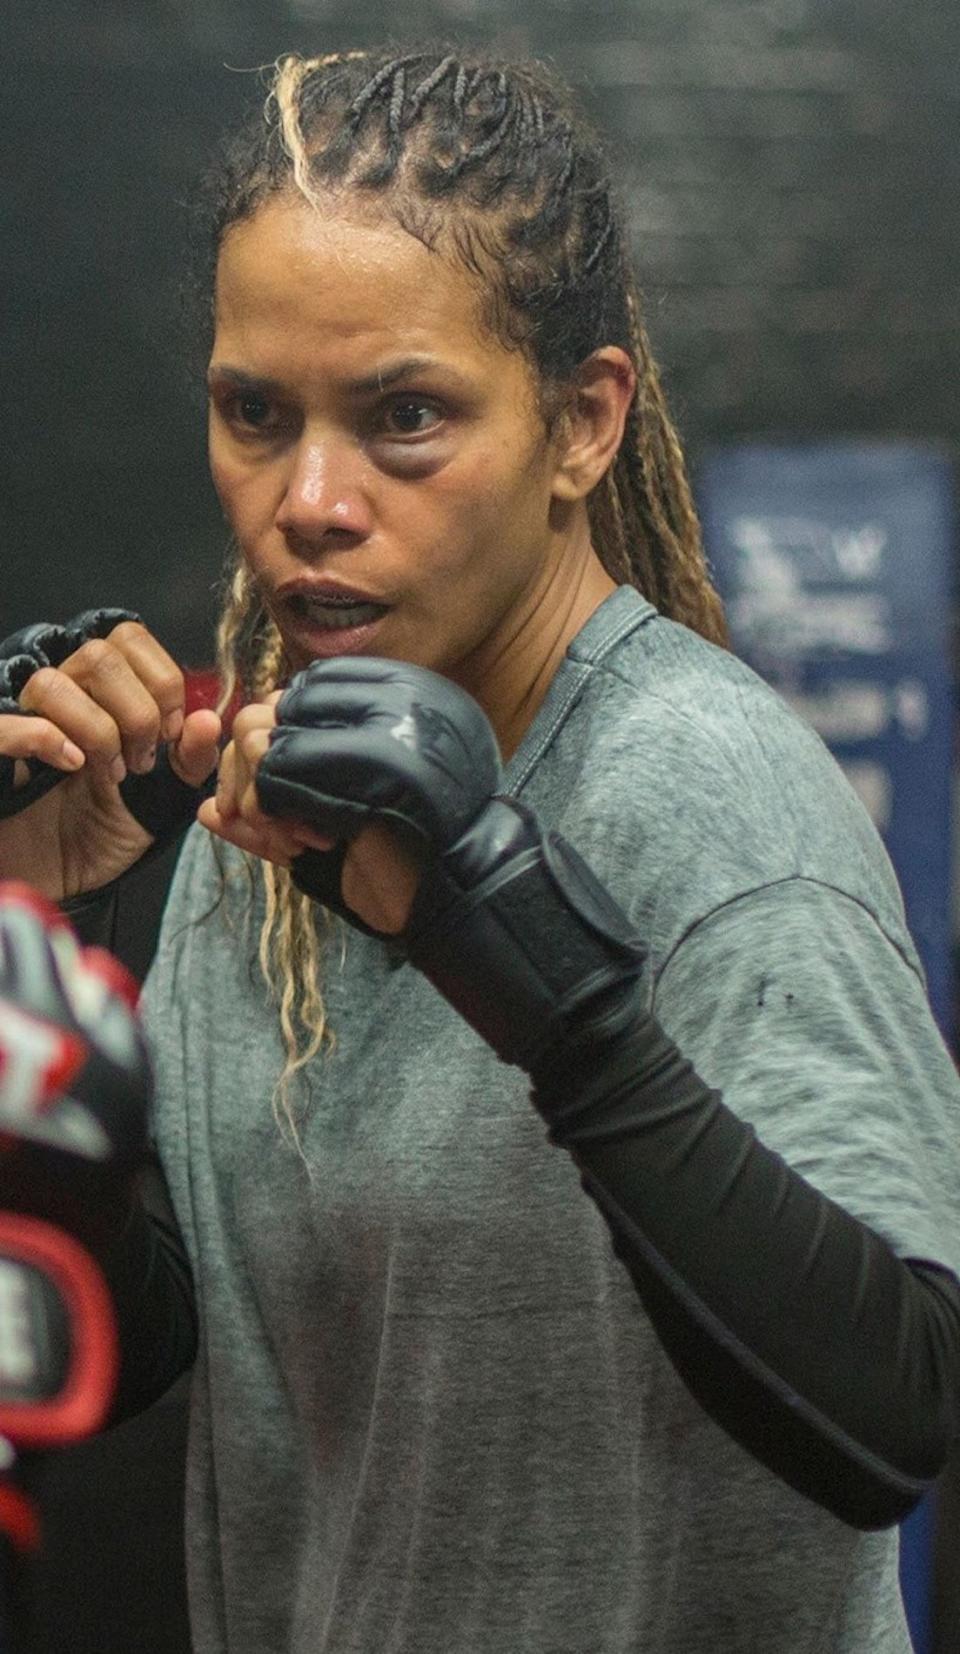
592	426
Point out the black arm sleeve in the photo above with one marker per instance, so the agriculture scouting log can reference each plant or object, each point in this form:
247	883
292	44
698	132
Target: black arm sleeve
138	1245
95	917
832	1361
151	1285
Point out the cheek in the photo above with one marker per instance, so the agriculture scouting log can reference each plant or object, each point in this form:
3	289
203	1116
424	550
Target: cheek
501	488
243	494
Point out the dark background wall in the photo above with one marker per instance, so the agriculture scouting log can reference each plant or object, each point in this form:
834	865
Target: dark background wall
791	177
791	173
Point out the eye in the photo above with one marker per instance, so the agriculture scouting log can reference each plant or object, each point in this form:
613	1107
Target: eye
252	409
412	416
249	413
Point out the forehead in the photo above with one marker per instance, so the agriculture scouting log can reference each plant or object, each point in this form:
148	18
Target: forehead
345	281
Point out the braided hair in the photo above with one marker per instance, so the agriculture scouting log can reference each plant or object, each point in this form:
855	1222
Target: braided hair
490	163
493	162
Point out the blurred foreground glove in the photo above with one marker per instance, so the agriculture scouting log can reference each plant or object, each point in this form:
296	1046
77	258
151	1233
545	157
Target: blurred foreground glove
508	922
74	1089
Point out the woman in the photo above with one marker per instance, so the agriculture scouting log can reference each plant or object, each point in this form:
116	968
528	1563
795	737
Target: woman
432	1409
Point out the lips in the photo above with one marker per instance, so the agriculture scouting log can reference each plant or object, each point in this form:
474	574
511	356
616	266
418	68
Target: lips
322	618
330	607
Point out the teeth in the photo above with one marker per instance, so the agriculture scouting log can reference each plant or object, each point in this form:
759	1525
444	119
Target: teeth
333	616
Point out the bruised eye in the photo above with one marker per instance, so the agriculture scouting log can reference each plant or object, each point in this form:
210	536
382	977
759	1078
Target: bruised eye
411	417
252	410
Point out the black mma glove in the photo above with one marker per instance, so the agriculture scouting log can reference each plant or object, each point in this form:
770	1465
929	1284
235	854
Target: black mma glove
508	922
22	654
159	801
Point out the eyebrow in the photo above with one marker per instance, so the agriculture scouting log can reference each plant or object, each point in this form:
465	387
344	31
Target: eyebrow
381	379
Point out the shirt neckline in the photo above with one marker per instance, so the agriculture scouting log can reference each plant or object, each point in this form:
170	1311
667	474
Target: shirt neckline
614	619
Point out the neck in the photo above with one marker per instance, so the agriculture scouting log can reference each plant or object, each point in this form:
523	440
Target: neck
512	671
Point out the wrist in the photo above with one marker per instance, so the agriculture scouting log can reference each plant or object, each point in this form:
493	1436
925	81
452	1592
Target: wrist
511	925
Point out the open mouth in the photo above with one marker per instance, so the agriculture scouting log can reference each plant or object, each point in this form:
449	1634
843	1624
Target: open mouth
333	614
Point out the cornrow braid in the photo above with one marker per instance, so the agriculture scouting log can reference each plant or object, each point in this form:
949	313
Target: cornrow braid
422	92
491	164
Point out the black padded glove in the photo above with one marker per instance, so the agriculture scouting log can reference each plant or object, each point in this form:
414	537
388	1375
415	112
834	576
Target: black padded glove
22	654
159	801
508	922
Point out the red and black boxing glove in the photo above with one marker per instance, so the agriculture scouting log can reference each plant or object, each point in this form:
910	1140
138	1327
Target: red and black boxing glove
74	1090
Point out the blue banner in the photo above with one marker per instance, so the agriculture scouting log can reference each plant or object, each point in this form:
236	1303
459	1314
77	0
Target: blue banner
835	563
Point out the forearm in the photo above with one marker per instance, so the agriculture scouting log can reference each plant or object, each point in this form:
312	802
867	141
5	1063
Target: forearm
139	1247
796	1327
94	916
128	1228
151	1286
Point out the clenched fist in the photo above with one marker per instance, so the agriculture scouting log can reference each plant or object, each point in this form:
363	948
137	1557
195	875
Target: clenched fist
97	755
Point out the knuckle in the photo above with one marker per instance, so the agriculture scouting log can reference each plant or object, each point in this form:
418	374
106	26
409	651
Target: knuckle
253	744
247	719
128	631
43	685
104	737
93	658
170	686
142	723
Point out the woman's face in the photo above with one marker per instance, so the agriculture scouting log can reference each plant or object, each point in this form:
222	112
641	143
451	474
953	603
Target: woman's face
380	457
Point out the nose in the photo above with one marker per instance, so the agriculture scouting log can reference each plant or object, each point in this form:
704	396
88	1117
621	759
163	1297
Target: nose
324	495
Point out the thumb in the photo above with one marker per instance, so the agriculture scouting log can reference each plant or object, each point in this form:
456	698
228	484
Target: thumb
194	756
165	800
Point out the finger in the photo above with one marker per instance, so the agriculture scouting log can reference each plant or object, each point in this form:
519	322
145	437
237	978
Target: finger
194	756
106	675
157	671
307	839
55	696
38	738
379	879
249	747
255	715
226	796
271	842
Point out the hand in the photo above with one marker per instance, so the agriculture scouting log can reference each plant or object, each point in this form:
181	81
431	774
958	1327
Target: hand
378	879
388	762
24	737
507	921
115	698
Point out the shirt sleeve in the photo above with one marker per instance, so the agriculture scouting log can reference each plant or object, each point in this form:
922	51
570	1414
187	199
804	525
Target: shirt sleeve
815	1027
789	1316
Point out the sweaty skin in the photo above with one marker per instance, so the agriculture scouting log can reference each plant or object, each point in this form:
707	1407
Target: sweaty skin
367	433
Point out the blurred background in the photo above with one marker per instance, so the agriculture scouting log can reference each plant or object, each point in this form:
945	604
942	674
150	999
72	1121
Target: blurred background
790	174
